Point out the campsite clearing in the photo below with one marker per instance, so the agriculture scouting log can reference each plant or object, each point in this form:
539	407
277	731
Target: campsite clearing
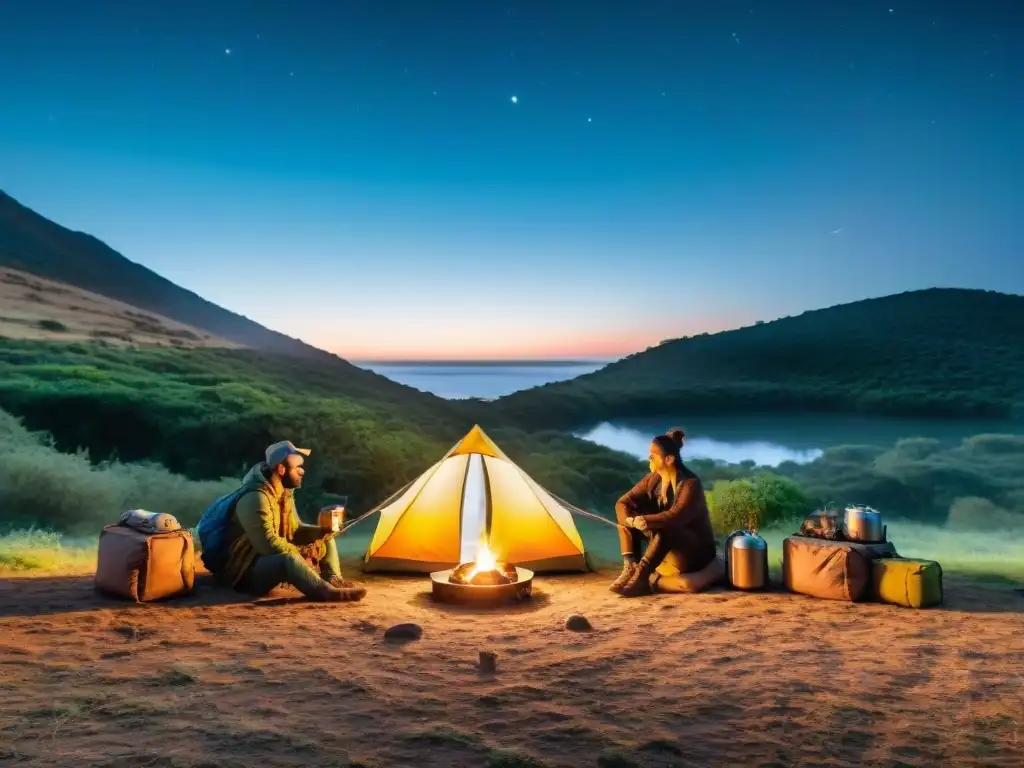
721	678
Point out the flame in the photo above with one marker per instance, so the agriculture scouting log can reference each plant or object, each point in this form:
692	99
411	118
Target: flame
485	560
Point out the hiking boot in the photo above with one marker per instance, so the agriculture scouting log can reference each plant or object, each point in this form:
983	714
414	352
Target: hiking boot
640	582
628	569
327	593
354	590
353	593
340	583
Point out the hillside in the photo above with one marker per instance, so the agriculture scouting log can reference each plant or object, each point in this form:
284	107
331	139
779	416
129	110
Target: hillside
209	413
936	352
36	308
34	244
44	251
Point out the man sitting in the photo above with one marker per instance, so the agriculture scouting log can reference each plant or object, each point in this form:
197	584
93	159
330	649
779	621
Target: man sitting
266	542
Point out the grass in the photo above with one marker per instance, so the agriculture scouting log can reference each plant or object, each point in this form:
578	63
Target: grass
176	676
617	758
503	758
45	552
995	555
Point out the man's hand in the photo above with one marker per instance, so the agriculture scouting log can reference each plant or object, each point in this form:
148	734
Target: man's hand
640	523
316	551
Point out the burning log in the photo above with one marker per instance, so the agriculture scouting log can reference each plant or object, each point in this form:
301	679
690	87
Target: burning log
484	580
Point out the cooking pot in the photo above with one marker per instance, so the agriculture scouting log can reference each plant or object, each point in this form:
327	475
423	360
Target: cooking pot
863	524
746	557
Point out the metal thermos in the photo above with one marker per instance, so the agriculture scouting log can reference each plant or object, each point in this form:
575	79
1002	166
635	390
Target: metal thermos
746	557
863	524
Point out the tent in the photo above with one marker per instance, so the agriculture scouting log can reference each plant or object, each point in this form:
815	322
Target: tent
474	493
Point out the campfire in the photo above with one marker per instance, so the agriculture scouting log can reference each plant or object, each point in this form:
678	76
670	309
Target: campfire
485	580
484	571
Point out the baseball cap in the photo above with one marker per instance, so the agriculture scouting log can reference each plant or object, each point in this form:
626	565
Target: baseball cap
278	452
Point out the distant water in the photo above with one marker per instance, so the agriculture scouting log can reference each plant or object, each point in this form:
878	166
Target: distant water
718	446
767	440
484	381
770	439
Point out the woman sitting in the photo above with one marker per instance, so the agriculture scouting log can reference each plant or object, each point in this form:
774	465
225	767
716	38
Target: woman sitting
669	509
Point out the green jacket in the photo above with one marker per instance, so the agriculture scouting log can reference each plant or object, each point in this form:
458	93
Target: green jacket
256	526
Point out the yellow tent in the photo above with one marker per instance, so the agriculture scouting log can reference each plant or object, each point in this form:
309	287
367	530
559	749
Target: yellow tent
474	493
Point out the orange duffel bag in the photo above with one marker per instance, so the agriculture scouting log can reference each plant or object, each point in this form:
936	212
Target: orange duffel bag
144	566
832	570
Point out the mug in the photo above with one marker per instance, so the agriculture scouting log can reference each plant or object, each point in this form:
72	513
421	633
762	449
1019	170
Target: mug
331	518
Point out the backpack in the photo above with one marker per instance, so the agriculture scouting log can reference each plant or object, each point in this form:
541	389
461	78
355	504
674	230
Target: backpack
212	529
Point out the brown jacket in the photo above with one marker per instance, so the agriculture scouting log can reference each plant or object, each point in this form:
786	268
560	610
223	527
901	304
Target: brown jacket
685	518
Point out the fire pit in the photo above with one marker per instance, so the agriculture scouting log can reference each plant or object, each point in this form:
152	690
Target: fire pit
484	581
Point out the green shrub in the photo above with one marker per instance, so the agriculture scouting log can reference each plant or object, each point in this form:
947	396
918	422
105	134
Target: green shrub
35	550
42	487
759	501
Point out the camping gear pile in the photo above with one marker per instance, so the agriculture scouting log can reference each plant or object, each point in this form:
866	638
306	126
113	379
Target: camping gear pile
481	528
848	557
145	556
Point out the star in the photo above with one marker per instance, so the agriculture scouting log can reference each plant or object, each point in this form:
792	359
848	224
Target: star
227	51
590	119
515	99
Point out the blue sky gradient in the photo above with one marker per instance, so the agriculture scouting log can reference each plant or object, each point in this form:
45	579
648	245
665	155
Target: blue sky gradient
356	173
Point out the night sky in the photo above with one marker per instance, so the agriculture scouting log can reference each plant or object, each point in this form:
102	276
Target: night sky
525	179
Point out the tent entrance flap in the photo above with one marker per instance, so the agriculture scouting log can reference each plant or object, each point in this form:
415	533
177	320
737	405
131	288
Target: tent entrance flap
474	509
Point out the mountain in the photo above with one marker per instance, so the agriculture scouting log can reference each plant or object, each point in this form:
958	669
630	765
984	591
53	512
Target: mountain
939	352
88	354
31	243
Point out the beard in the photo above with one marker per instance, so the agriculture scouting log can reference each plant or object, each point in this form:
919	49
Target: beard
291	482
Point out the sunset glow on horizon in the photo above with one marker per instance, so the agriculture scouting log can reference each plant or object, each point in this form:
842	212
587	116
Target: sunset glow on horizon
567	346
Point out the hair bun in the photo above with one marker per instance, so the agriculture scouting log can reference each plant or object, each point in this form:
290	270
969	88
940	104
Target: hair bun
678	435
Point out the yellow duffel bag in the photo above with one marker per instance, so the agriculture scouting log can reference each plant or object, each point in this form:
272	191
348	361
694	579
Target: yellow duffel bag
907	582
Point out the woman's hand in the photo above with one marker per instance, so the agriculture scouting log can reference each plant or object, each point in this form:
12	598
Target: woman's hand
640	523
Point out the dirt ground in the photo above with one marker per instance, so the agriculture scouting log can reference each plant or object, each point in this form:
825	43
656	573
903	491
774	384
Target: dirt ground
718	679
